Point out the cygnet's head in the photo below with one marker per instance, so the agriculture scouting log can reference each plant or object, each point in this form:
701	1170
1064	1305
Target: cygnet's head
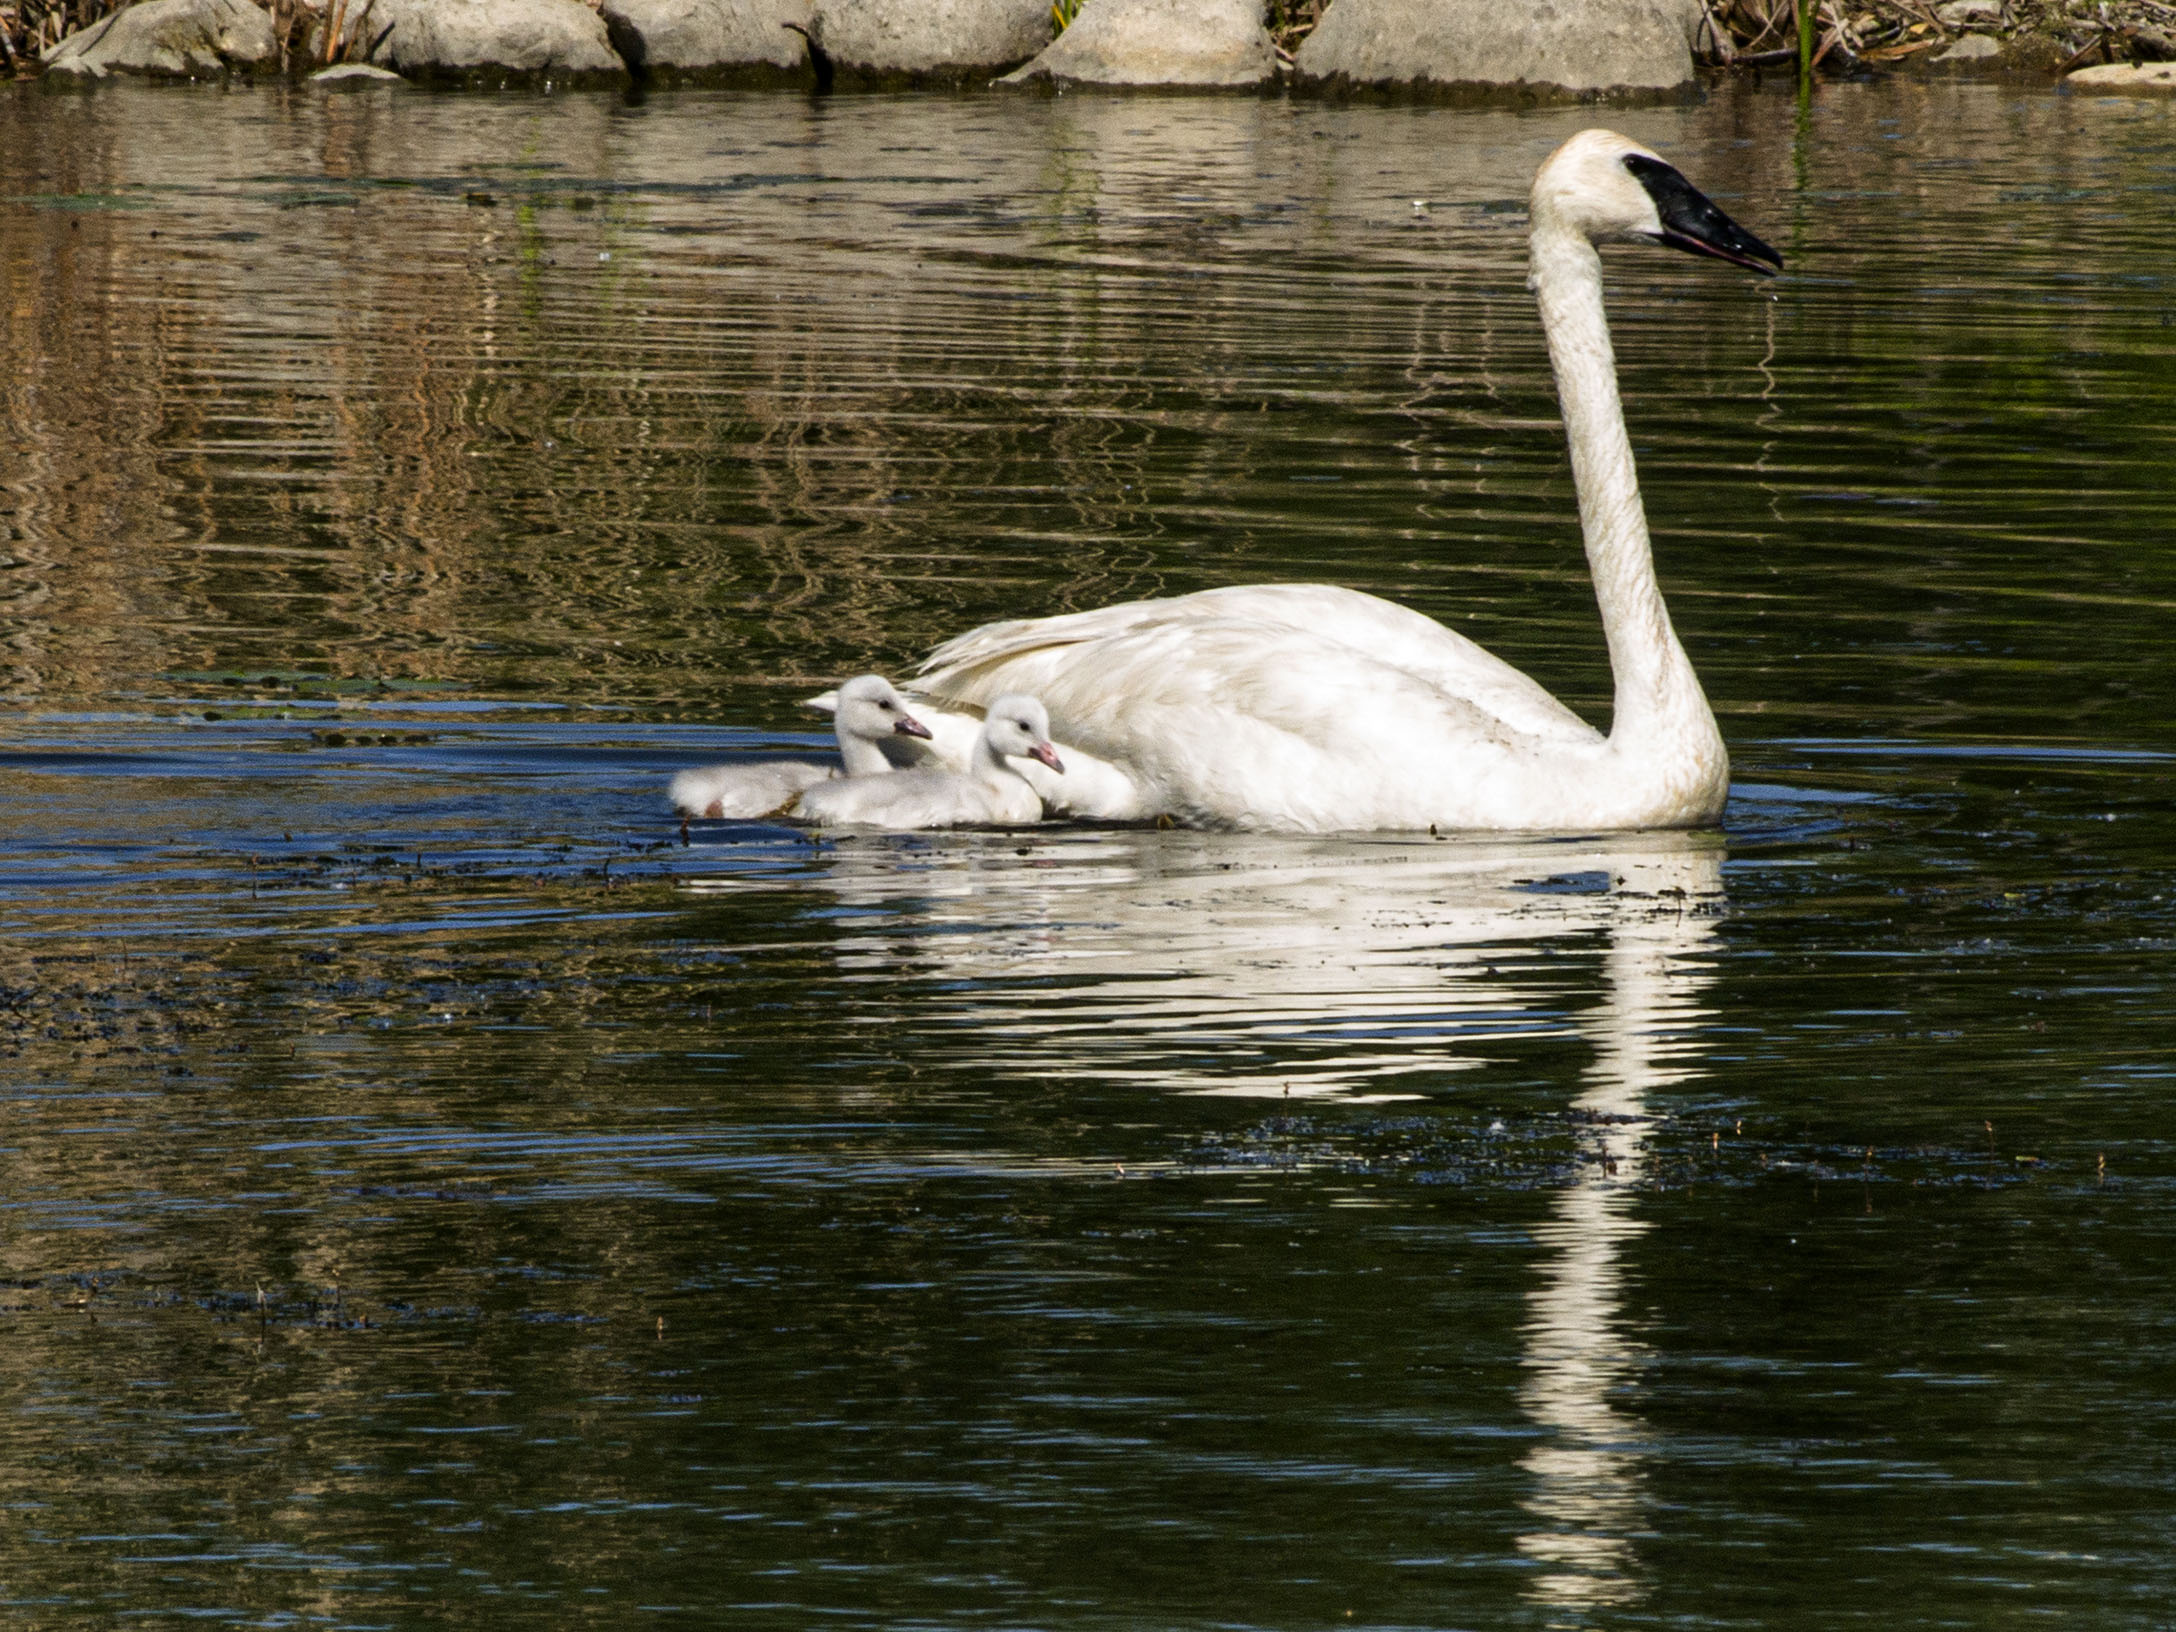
1019	725
1612	190
870	709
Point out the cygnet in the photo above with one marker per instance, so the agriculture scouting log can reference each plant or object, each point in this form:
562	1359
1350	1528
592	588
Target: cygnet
870	716
993	793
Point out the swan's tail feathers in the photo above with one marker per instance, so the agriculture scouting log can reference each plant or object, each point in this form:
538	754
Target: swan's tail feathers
824	702
953	665
746	792
695	793
1304	606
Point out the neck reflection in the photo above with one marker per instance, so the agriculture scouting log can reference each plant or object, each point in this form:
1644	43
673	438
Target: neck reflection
1587	1490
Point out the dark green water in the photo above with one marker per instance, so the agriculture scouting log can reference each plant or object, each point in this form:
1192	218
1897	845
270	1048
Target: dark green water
432	1196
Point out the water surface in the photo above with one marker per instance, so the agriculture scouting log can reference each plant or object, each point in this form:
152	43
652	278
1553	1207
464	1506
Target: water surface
434	1194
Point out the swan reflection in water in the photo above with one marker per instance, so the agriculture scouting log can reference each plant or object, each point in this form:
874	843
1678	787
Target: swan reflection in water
1586	1492
1356	970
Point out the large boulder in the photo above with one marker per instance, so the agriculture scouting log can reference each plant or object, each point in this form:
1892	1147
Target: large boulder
1564	45
1159	42
2128	79
352	75
181	39
1971	51
484	41
700	39
922	39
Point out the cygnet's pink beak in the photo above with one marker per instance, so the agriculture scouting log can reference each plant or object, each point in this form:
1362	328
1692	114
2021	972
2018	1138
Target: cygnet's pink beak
908	726
1044	752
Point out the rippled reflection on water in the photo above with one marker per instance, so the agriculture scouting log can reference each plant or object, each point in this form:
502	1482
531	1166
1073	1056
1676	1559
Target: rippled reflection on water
431	1189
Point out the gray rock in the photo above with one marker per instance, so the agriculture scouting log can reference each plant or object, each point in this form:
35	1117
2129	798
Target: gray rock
182	39
1159	42
354	73
2146	78
679	39
1969	14
932	38
490	40
1971	48
1573	45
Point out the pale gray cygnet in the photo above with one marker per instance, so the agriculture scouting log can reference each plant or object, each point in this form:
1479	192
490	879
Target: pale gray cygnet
992	793
871	717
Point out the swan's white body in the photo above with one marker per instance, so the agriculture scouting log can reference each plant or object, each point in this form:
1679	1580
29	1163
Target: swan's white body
874	731
745	792
1308	708
992	792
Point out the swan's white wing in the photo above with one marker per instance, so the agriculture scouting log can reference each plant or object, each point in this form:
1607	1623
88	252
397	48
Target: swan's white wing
745	792
1229	721
1300	706
988	661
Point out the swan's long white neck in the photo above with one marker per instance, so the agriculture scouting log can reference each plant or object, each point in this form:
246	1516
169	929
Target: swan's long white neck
991	768
1657	694
860	755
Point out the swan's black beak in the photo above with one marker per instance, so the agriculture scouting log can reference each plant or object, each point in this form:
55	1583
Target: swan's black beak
1048	755
908	726
1691	222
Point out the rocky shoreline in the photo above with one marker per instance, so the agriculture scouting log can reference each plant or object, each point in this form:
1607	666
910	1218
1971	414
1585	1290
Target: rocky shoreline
2050	37
1568	48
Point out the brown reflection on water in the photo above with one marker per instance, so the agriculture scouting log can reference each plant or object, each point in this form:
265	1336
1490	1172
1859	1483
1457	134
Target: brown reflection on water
545	399
724	395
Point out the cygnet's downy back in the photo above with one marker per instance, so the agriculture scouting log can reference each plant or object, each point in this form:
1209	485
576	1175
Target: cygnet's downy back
870	714
993	793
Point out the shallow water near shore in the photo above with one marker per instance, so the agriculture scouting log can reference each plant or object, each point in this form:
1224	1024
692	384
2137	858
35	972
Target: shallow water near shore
435	1193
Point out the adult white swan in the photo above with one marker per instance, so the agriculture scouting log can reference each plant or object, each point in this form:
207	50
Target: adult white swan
1308	708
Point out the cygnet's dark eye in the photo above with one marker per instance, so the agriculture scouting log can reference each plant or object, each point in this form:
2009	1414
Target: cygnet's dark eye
884	705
